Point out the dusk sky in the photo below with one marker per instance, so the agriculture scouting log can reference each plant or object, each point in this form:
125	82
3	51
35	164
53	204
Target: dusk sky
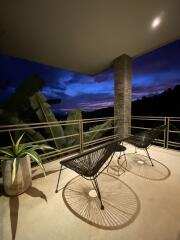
153	73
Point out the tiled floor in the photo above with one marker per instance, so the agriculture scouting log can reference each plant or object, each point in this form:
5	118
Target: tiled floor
146	199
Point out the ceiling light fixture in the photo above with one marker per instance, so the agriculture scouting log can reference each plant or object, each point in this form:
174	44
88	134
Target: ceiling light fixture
156	22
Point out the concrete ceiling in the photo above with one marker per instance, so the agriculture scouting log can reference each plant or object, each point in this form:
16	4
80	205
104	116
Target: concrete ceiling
85	35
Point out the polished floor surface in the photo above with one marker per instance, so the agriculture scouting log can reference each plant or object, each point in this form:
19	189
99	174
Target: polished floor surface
142	203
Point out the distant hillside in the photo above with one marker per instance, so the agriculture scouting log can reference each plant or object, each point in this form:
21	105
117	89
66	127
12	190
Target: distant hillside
164	104
103	112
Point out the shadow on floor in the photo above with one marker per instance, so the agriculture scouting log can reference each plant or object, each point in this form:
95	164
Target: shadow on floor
14	201
178	237
1	190
121	204
41	175
14	206
140	166
14	210
34	192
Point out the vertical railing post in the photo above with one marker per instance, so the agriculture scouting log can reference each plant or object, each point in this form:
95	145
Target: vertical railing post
166	132
81	135
167	135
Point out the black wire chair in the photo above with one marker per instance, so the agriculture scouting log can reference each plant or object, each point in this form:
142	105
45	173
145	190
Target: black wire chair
90	164
144	139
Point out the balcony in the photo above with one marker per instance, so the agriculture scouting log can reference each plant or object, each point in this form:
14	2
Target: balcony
141	201
141	205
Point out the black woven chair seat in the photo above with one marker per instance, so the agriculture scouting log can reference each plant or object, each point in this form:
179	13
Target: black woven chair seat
145	139
88	164
91	163
119	148
138	141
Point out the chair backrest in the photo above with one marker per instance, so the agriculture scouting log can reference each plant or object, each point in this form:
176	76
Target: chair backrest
145	138
150	135
89	163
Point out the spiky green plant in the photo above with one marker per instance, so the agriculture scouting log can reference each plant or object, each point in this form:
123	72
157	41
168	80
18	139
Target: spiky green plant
18	151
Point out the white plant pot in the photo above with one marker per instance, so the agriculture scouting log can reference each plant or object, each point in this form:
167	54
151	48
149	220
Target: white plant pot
23	178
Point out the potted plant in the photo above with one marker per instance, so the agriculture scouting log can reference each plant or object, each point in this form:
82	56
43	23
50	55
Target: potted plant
16	165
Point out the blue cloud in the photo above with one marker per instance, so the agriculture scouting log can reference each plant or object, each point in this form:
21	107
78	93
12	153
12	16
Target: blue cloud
152	73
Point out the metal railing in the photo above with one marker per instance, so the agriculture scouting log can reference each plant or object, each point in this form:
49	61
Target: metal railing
171	135
169	139
81	145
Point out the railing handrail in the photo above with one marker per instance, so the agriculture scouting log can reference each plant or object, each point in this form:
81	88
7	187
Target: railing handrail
168	122
166	141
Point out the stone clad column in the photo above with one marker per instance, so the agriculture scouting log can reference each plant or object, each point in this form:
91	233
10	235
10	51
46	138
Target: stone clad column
122	94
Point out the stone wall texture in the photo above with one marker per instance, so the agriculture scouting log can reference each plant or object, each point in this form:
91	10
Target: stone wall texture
122	94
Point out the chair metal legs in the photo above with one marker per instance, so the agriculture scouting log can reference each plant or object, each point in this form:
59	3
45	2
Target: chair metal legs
56	191
94	183
96	187
149	157
120	165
